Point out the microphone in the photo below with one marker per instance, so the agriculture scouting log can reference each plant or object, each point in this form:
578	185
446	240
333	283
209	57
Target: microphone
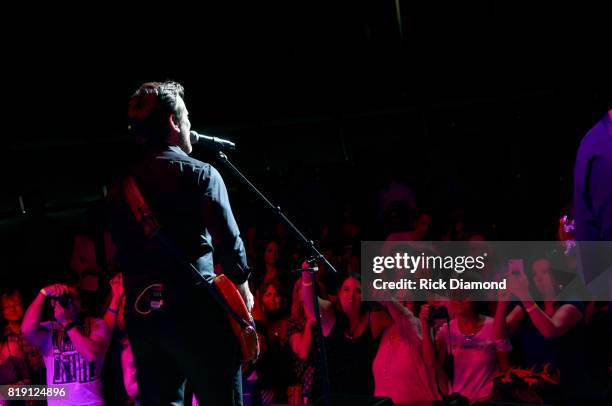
215	143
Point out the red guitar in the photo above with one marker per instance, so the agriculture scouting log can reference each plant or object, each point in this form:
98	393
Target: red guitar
246	334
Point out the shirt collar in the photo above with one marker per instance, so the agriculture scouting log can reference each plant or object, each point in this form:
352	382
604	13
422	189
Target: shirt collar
176	149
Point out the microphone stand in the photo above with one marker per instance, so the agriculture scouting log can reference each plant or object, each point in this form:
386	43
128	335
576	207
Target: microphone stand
314	257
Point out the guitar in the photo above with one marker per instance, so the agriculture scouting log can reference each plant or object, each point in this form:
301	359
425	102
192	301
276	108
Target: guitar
222	289
245	332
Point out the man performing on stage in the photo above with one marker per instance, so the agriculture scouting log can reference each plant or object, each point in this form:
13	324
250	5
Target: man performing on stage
177	331
593	208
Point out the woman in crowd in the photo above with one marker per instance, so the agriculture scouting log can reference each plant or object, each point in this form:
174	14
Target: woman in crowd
351	333
399	369
274	370
270	269
422	227
13	365
548	331
302	341
471	341
11	304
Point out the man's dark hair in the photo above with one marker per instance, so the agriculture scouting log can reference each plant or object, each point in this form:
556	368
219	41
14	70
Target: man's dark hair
149	109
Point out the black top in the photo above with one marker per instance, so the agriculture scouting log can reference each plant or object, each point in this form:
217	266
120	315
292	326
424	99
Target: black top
565	353
274	367
350	361
189	199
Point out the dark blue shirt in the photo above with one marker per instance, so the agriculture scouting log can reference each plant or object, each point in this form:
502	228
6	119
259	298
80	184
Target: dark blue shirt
593	195
190	201
593	184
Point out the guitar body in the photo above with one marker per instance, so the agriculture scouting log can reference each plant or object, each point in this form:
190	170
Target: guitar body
247	336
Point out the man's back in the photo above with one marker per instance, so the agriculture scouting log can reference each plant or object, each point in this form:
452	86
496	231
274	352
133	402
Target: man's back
189	200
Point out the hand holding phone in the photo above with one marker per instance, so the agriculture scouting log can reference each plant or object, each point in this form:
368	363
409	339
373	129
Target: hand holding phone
516	267
518	283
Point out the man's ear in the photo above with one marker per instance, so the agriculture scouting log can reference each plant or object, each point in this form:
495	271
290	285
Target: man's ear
174	123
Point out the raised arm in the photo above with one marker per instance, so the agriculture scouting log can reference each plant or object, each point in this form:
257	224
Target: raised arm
30	326
90	347
220	221
328	314
407	324
564	318
112	312
434	349
301	342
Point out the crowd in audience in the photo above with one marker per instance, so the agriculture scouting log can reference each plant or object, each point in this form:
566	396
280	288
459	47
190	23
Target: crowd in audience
72	333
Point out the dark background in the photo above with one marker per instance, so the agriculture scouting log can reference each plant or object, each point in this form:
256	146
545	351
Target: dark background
477	105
